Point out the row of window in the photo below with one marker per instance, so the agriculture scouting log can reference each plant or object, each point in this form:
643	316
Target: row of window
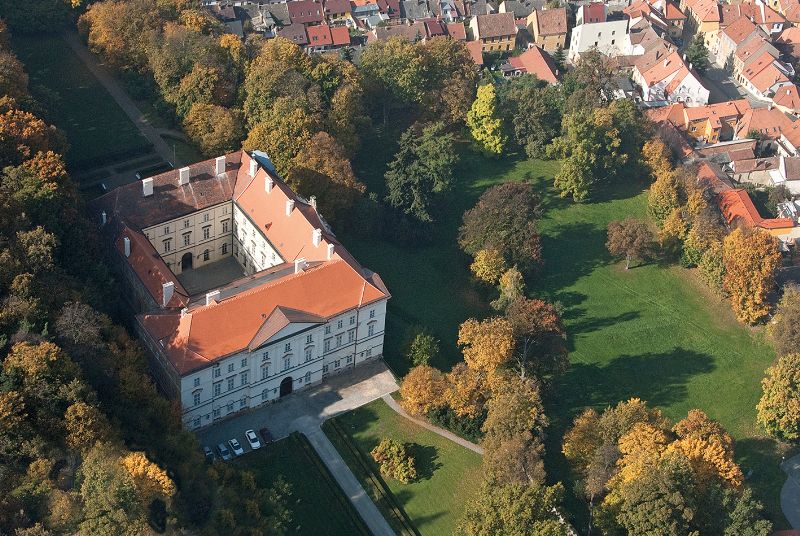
206	217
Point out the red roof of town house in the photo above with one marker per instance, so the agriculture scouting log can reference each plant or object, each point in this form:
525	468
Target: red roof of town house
319	36
457	31
305	11
739	29
535	61
769	122
337	7
552	21
705	10
788	97
711	177
673	12
737	208
340	35
790	41
496	25
476	51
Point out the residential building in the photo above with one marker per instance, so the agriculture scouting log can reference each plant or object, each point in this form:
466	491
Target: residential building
670	79
496	32
475	49
243	292
305	11
590	13
764	75
322	37
521	10
787	99
789	42
738	210
609	38
535	62
734	35
294	32
756	11
548	28
703	17
336	10
770	123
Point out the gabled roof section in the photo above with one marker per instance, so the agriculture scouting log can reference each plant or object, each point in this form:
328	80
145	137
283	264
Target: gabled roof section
280	318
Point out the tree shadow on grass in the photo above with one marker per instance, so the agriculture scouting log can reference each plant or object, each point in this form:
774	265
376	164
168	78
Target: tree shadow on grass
426	459
404	497
590	324
760	459
572	252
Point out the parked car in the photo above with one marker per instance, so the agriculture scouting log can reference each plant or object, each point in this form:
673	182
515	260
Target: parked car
266	435
236	447
209	454
252	438
224	453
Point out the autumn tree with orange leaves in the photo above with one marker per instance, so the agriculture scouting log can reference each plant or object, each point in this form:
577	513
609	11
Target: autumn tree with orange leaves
751	258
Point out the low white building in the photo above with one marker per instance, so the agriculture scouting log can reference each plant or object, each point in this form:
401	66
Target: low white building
609	38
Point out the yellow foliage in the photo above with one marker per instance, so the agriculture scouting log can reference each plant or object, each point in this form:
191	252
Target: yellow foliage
466	391
641	448
487	344
488	266
150	479
422	390
751	259
709	459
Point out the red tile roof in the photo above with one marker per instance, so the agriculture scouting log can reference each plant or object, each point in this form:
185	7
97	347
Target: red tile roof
552	21
319	36
739	29
788	97
476	51
340	35
737	208
594	12
457	31
535	61
496	25
305	11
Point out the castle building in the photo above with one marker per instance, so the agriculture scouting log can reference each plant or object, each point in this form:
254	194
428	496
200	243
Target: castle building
242	292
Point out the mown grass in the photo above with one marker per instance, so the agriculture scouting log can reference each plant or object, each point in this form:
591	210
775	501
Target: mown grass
653	332
96	127
448	473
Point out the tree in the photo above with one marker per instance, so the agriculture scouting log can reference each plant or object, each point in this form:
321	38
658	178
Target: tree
779	407
514	407
489	265
485	124
22	135
517	459
697	54
712	268
451	80
422	390
784	328
86	425
629	238
467	391
394	461
422	348
504	219
151	481
487	344
215	129
751	259
13	79
322	169
514	510
539	334
393	71
421	169
744	515
512	288
531	112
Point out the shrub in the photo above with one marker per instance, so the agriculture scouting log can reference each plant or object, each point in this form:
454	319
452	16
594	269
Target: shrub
394	461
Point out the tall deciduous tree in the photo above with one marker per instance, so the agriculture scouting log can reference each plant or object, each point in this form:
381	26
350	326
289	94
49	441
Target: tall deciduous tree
215	129
422	390
539	334
489	265
487	344
785	326
751	260
394	73
531	111
779	407
629	238
421	169
485	123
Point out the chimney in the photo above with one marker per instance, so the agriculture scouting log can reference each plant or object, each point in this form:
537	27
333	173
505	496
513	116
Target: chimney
212	297
184	311
104	216
219	165
268	182
253	167
313	201
147	187
666	62
183	176
167	290
690	66
289	206
317	237
331	247
127	244
684	56
299	265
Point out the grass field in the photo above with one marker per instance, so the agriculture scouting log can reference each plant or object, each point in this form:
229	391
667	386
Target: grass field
653	332
96	127
317	503
447	471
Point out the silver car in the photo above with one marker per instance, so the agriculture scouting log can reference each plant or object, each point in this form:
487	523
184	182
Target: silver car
252	438
236	447
224	453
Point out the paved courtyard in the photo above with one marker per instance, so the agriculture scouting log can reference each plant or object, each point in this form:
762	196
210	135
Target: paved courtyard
790	494
210	276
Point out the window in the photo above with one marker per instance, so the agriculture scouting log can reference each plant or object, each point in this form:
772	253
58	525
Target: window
264	372
338	340
216	413
217	388
196	422
167	245
287	347
308	377
265	394
352	320
326	347
264	356
263	258
166	229
225	226
349	359
244	362
242	403
308	353
327	330
324	369
300	381
230	367
369	352
372	313
224	248
185	224
336	363
612	41
187	238
351	335
196	398
206	232
243	378
205	216
206	255
230	383
217	371
287	363
370	330
229	407
309	339
197	382
339	324
252	246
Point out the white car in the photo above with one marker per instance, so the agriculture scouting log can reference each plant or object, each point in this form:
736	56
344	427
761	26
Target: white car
236	447
252	438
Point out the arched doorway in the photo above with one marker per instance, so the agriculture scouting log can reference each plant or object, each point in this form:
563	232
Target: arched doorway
186	261
286	385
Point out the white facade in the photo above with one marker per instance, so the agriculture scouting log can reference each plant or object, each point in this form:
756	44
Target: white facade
609	38
250	247
300	354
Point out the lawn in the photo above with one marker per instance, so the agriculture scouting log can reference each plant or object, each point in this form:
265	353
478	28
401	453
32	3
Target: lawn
317	503
447	471
653	332
97	129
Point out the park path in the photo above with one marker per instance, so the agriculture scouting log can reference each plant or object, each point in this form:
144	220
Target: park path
392	403
121	97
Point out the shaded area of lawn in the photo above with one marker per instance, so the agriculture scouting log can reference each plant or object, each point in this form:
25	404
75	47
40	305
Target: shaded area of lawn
447	472
654	331
317	503
98	130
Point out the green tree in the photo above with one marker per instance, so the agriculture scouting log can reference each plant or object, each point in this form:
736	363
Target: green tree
485	124
697	54
394	74
779	407
531	111
512	288
751	260
423	348
421	169
215	129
